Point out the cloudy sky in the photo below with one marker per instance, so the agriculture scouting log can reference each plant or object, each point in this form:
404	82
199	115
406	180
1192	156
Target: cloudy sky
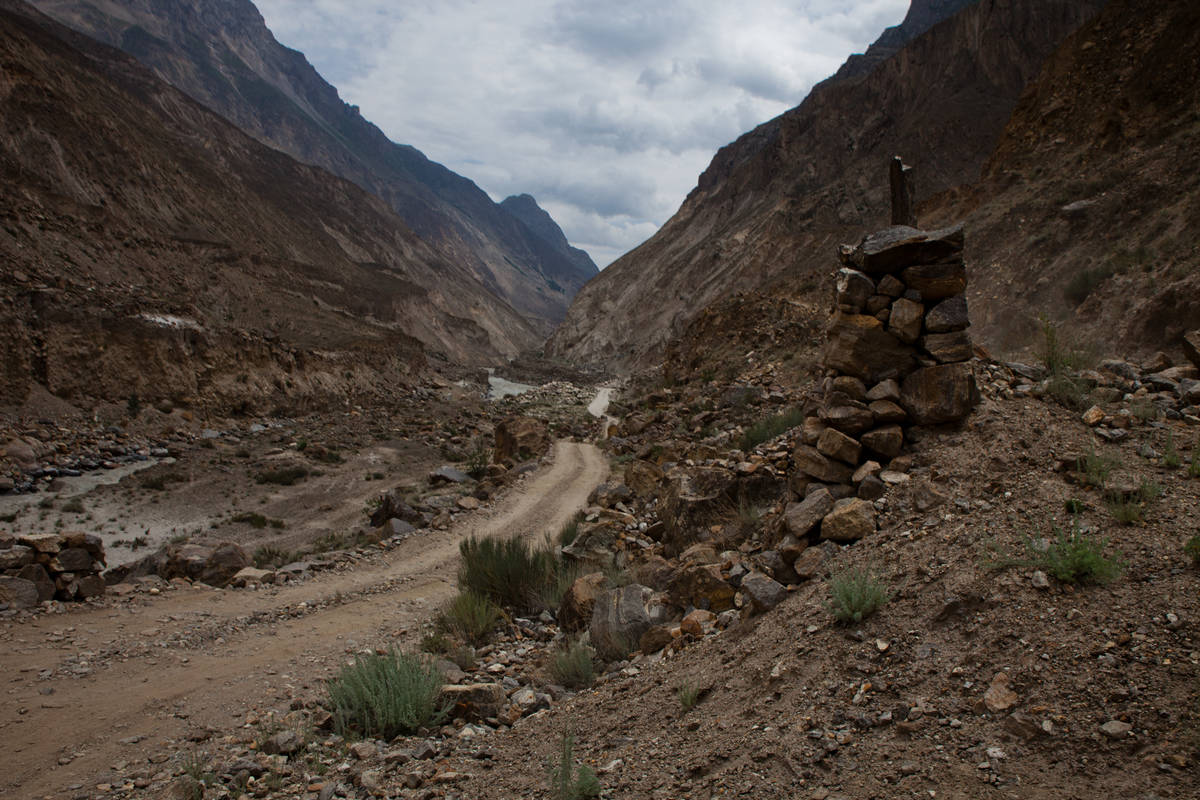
606	112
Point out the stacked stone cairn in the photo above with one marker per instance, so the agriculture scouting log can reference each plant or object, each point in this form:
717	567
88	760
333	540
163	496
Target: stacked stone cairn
50	566
897	356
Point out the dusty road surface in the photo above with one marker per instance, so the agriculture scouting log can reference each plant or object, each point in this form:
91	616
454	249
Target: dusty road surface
197	662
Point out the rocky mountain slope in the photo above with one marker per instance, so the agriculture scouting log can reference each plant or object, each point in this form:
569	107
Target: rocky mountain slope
153	249
538	220
223	55
775	201
1088	206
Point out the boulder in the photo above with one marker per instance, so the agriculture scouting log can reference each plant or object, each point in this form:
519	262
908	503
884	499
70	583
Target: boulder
948	315
607	495
16	557
763	592
249	575
619	618
849	419
448	474
284	743
885	411
835	444
695	497
802	517
853	289
88	586
937	281
812	561
701	586
850	520
475	701
575	610
860	346
885	441
72	559
900	245
850	386
698	622
655	639
884	390
810	461
225	561
810	430
643	478
890	286
396	527
18	592
905	320
938	394
520	439
392	505
49	543
948	347
37	575
1191	347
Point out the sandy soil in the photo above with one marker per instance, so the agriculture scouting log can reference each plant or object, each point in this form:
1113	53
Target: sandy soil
196	661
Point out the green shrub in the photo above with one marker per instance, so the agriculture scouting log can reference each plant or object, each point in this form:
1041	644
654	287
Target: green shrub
270	555
1074	506
478	459
285	476
382	697
1057	354
573	666
570	530
856	594
508	571
1096	467
1144	410
1194	466
769	428
1171	458
1067	392
1192	550
689	695
568	782
1074	557
470	617
73	506
1083	283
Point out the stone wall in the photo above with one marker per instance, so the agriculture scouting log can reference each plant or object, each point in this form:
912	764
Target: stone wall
896	356
50	566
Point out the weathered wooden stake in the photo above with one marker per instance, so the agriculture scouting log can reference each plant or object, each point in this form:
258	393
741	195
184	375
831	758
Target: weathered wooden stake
903	205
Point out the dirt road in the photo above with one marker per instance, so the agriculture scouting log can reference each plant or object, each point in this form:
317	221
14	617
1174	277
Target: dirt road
95	692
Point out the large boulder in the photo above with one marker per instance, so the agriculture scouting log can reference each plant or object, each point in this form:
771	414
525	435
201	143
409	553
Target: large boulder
900	245
939	394
620	617
579	601
860	346
520	439
18	592
226	560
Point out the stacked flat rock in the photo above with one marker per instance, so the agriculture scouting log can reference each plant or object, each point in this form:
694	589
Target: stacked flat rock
897	356
49	566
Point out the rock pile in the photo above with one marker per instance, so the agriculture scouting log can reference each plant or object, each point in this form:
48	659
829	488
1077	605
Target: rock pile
897	355
49	566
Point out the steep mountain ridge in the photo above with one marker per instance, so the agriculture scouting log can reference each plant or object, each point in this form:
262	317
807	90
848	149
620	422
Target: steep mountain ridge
152	248
1087	212
223	55
775	202
525	208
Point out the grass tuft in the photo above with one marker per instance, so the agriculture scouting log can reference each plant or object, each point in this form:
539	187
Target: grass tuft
856	594
270	555
769	428
1074	557
382	697
568	782
470	617
1096	467
689	695
1192	550
508	571
573	666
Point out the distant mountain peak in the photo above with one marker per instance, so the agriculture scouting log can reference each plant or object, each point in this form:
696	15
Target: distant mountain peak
526	209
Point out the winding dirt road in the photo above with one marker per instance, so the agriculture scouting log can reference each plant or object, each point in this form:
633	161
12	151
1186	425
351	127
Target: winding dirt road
90	691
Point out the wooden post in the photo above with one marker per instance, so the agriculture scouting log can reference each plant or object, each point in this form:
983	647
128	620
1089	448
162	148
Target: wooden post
903	205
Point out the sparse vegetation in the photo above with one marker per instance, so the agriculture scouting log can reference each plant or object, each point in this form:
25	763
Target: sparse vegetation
1074	557
508	571
856	594
570	530
196	777
270	556
1171	457
1096	467
159	482
567	781
767	429
384	696
286	476
689	695
478	459
471	617
573	666
258	520
1192	550
73	506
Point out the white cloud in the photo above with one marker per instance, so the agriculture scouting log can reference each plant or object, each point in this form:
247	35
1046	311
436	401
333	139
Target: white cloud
606	112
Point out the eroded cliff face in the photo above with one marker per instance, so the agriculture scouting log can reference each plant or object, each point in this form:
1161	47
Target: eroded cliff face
1087	211
778	200
151	247
221	53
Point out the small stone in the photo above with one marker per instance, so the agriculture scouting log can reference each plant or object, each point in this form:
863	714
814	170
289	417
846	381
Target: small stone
999	697
284	743
695	623
1093	416
1039	580
364	751
1116	729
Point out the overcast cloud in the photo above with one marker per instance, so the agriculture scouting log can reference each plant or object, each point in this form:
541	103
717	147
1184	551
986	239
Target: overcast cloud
606	112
